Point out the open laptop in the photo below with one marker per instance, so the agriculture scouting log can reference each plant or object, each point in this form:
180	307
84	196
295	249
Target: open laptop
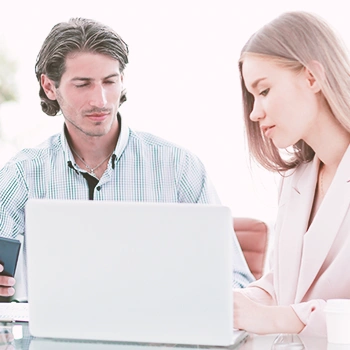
130	272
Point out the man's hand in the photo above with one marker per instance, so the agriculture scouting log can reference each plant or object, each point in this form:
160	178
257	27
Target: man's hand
6	338
6	284
261	319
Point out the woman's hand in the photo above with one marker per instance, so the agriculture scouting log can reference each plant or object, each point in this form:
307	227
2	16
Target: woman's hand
261	319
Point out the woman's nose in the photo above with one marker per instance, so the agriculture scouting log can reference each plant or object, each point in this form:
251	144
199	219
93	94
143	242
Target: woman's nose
257	113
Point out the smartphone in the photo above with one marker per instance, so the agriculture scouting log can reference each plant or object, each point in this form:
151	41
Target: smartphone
9	251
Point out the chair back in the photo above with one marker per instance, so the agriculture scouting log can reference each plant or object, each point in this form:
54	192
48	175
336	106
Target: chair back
252	235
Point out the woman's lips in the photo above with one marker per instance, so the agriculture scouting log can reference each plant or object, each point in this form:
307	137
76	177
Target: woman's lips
267	130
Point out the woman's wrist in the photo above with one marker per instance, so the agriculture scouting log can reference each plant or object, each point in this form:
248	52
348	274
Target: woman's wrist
285	320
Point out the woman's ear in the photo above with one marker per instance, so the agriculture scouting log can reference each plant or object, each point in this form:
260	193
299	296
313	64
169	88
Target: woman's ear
315	73
48	87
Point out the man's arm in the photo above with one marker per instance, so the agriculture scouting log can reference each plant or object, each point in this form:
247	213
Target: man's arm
194	183
199	189
13	196
242	275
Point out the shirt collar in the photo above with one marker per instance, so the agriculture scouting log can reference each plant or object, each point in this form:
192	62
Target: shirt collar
119	148
123	138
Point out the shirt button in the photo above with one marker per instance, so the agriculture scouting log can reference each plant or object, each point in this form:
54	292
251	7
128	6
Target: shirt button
98	188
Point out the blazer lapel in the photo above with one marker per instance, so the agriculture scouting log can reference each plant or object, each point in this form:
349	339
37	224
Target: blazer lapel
290	245
325	226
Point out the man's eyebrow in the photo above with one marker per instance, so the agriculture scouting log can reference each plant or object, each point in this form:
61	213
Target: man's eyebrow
114	75
81	78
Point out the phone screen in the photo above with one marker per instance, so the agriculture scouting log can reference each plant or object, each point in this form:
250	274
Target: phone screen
9	251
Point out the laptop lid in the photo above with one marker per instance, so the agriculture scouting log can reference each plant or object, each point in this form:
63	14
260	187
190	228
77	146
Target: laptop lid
136	272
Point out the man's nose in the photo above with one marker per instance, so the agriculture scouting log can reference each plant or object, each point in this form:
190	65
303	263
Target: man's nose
98	97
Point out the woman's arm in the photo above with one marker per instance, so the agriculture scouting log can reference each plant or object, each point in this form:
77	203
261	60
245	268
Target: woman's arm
264	319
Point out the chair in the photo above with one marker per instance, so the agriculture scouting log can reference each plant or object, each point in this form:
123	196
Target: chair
252	235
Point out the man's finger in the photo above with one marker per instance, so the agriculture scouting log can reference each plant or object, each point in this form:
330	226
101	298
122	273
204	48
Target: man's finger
6	292
6	281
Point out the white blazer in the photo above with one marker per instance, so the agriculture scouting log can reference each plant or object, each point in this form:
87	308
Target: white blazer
311	265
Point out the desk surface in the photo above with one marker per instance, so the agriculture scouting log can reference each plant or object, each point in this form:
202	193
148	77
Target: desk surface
23	341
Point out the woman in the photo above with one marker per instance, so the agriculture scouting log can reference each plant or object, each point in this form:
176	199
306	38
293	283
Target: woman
295	78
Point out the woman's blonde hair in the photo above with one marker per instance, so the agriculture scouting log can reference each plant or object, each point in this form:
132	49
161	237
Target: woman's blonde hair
296	40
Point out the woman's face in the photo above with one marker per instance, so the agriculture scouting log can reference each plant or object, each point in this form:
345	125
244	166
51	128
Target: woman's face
285	102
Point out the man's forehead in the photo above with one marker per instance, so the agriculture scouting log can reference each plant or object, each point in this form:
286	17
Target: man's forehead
90	65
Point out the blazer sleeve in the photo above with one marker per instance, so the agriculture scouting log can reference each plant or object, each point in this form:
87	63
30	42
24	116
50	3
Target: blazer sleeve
262	290
311	313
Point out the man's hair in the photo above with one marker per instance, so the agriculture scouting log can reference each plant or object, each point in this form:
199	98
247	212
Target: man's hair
296	40
76	35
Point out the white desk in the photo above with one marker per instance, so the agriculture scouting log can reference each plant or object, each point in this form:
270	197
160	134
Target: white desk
265	342
24	341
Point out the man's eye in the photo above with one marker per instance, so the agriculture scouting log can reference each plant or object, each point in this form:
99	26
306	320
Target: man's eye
109	82
264	92
81	85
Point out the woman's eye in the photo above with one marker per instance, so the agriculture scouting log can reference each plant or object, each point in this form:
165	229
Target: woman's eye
264	92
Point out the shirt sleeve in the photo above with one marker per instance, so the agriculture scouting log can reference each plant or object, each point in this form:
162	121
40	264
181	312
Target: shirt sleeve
194	184
196	187
242	275
13	196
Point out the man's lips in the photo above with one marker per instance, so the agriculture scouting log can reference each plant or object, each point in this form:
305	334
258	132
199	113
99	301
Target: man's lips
97	116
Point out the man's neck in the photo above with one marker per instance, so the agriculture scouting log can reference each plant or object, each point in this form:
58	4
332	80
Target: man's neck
92	149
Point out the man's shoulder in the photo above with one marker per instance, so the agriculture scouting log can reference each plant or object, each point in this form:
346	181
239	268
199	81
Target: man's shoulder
40	152
150	140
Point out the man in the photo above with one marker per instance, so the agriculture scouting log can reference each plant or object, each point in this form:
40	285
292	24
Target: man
80	72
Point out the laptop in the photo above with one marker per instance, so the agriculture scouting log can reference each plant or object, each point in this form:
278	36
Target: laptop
130	272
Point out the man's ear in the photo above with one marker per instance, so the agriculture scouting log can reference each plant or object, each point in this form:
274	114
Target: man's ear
315	73
48	86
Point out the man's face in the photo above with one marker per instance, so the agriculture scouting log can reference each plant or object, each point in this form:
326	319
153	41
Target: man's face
88	94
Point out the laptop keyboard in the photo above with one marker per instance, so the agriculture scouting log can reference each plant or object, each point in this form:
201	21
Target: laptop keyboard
11	312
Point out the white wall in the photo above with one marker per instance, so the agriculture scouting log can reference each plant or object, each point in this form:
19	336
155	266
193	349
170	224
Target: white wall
182	78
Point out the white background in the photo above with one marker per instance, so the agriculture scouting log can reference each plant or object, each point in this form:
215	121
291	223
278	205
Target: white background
182	79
